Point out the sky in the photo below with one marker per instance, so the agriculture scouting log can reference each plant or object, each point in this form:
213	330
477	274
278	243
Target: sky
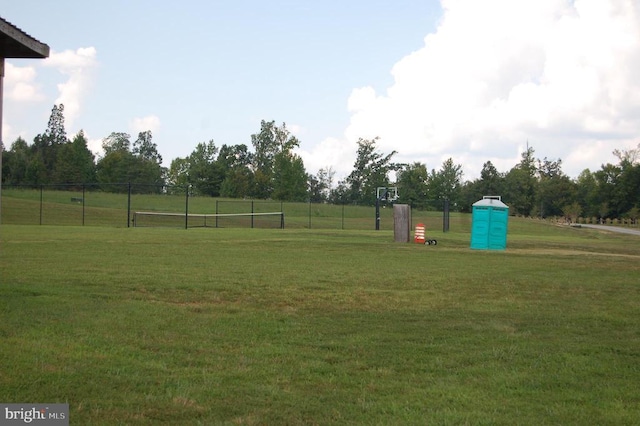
474	81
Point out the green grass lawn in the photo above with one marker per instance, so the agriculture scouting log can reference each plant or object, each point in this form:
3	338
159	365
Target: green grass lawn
298	326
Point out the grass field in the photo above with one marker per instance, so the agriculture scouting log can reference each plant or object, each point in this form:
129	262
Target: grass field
298	326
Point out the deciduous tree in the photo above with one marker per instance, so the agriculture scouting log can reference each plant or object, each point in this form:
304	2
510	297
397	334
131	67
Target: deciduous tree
370	171
289	177
16	162
116	141
235	161
555	191
267	144
413	181
144	148
321	184
446	183
205	175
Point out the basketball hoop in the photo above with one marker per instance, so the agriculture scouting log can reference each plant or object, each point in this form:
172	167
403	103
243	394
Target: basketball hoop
387	193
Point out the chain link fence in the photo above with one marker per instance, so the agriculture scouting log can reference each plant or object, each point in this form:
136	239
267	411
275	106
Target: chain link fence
116	205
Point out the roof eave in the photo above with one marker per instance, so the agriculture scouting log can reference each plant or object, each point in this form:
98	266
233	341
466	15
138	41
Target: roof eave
15	43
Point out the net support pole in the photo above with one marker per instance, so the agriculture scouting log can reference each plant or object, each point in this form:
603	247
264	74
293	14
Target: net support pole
378	198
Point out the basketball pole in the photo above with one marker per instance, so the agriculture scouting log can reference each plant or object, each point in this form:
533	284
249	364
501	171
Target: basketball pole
378	198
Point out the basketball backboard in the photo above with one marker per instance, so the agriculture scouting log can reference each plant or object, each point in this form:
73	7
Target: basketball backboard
387	193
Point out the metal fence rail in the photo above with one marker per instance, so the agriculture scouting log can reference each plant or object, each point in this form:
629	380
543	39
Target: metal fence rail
115	205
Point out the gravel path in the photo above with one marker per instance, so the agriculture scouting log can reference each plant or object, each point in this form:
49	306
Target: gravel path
612	229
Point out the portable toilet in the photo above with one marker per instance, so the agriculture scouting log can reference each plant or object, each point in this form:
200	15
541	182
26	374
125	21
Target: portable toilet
489	224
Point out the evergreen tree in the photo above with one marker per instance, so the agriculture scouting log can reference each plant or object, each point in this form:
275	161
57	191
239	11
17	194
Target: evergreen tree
75	162
492	180
84	158
56	133
46	146
520	184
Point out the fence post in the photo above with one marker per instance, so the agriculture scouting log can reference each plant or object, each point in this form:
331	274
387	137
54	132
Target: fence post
252	214
217	213
129	205
41	189
445	216
186	209
83	195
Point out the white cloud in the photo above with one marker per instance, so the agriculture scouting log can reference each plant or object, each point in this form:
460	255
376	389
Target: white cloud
142	124
95	146
20	84
78	65
560	74
8	136
296	130
331	152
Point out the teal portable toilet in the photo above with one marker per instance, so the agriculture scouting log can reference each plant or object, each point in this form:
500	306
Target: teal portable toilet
489	224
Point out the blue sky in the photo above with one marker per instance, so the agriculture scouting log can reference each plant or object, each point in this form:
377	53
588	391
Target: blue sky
474	81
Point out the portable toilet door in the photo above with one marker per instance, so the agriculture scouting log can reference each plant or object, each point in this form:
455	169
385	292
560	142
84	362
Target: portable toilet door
489	224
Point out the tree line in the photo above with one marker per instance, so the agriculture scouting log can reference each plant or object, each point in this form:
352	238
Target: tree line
272	170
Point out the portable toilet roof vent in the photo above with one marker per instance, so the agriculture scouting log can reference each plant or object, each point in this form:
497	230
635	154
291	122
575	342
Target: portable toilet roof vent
489	224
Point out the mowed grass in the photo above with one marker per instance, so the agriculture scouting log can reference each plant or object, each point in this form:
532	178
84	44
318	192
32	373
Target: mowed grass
297	326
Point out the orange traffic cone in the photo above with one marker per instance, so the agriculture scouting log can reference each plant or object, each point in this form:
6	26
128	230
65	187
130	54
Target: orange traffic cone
419	234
